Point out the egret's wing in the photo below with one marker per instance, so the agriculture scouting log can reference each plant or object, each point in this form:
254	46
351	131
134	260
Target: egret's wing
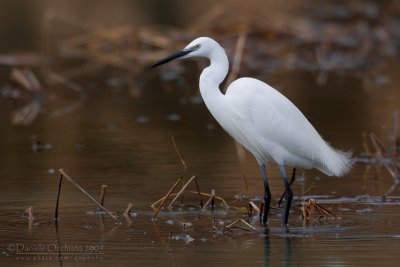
272	120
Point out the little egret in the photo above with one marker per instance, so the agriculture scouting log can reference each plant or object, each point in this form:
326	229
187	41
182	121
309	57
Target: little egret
263	120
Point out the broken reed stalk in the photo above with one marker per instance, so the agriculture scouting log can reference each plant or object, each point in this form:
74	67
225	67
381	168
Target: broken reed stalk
311	206
30	218
242	221
58	197
211	199
179	157
367	150
380	150
181	160
165	198
191	192
181	191
30	214
237	59
254	206
103	193
128	209
199	193
72	181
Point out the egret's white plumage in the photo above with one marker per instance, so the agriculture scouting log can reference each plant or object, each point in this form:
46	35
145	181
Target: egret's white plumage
263	120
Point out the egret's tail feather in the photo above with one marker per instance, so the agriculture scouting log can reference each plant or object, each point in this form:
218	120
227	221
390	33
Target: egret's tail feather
337	163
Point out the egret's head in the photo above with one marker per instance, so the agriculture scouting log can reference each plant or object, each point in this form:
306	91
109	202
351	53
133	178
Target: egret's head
201	47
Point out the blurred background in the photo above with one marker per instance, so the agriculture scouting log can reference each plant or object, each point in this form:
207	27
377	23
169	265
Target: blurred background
75	93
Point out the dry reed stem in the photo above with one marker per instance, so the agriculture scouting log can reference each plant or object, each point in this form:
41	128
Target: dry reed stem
30	214
103	193
128	209
206	19
380	151
181	160
199	193
31	218
237	59
254	206
190	192
181	191
311	207
58	197
210	199
26	78
240	221
365	145
164	199
72	181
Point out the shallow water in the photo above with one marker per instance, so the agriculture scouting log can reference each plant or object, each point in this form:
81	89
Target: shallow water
126	143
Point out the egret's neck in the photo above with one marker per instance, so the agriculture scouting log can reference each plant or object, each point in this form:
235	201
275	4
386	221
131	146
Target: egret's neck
213	75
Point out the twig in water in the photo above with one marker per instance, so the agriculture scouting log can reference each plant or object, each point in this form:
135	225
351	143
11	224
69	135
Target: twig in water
228	227
58	197
128	209
179	157
165	198
31	218
211	200
182	161
311	207
254	206
72	181
380	150
367	150
103	193
30	214
181	191
199	193
190	192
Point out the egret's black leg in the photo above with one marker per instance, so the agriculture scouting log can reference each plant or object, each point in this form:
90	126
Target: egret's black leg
288	194
267	194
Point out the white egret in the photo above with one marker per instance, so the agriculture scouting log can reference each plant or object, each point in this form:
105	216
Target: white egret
263	120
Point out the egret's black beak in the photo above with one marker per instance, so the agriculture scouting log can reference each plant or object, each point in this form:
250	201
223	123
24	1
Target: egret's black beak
171	57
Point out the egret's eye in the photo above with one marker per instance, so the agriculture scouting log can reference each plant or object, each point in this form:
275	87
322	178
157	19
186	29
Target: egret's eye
197	46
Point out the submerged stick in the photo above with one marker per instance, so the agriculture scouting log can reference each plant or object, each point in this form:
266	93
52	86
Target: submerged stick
58	197
128	209
199	193
72	181
165	198
103	194
31	218
242	221
30	214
